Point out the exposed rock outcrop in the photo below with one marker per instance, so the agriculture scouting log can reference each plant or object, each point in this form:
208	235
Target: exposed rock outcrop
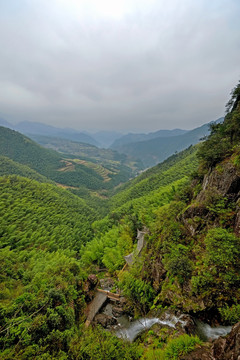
225	179
203	353
221	183
228	348
117	311
192	218
237	221
158	273
224	348
105	320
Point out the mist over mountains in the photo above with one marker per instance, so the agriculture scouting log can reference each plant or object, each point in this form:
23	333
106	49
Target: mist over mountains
73	213
150	148
132	138
119	180
155	149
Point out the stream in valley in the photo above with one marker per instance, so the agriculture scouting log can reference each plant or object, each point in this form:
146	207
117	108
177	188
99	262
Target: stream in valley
130	330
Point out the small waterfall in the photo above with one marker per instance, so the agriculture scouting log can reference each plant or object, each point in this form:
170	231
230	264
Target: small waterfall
206	332
132	329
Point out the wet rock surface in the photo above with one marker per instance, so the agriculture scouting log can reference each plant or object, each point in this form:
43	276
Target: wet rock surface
113	317
203	353
172	323
228	348
117	311
224	348
189	325
104	320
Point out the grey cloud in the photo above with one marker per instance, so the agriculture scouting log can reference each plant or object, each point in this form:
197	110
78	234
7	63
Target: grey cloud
162	65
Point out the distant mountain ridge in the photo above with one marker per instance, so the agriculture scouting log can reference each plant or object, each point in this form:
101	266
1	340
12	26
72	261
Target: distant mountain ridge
157	149
106	138
5	123
151	148
30	128
36	128
132	138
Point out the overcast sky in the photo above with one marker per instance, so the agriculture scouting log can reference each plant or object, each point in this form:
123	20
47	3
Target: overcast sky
138	65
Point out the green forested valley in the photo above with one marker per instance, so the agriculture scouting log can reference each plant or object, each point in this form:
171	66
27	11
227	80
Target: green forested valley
59	245
10	167
79	167
35	215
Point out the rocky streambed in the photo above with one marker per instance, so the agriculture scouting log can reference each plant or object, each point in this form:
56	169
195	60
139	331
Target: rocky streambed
114	318
130	330
220	342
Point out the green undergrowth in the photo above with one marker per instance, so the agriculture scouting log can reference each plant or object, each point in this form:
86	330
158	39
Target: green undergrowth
160	176
34	215
10	167
95	343
175	348
115	235
50	240
230	314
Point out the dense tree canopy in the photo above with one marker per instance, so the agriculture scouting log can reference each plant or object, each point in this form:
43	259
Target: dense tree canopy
51	239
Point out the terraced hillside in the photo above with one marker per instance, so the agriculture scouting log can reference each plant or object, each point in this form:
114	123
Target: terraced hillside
66	169
107	158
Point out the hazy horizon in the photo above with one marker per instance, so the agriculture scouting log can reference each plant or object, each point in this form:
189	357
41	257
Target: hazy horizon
125	66
95	131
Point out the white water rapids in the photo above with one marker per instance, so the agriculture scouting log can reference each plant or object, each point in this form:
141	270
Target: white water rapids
130	330
206	332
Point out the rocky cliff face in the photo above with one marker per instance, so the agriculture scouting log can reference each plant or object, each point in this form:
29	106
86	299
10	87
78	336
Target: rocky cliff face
228	348
217	206
224	348
221	183
225	179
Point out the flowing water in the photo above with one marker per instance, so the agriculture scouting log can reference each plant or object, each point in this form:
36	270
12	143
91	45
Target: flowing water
206	332
130	330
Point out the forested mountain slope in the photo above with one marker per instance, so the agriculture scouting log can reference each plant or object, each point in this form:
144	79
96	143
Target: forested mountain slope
25	151
133	138
172	169
134	207
191	257
193	241
189	263
10	167
42	216
65	169
42	229
158	149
